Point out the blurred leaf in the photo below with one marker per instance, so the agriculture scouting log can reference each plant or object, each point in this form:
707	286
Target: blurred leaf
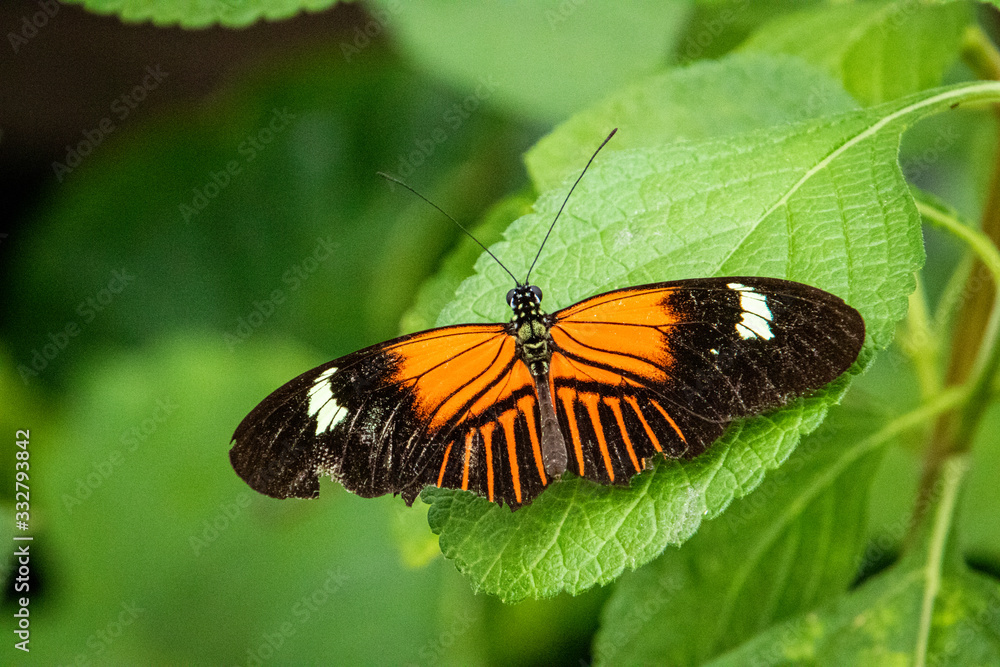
879	50
145	517
791	544
541	61
203	13
563	625
717	26
927	609
711	99
890	384
24	408
418	545
980	521
259	214
821	202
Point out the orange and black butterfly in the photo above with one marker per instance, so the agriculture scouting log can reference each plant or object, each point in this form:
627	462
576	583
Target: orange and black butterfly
503	410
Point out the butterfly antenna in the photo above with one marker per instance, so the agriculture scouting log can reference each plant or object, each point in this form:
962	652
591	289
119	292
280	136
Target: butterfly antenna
552	226
389	177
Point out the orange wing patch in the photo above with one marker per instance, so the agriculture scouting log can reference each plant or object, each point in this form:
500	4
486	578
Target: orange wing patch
617	346
590	401
470	441
624	330
638	306
444	464
430	363
487	433
670	420
645	426
567	395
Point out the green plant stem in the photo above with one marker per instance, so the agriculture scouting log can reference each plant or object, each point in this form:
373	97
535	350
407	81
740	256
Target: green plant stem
919	343
954	292
980	244
979	54
979	319
955	432
952	474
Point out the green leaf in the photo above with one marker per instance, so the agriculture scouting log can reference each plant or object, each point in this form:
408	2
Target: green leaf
203	13
718	26
821	202
788	546
927	609
879	50
709	99
540	60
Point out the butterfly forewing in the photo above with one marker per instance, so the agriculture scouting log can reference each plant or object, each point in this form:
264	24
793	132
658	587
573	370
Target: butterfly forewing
666	367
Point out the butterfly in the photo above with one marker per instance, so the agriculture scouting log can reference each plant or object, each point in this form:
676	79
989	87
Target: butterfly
601	389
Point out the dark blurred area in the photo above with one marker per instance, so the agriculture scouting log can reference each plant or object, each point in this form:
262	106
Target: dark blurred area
61	79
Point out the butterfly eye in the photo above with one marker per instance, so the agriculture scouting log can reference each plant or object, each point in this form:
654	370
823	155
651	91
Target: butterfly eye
510	298
536	291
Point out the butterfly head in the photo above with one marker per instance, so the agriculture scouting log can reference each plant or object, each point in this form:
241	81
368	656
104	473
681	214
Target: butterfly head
525	301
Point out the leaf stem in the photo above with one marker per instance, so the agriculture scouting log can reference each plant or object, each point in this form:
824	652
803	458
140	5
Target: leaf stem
951	480
954	292
974	360
920	345
947	399
982	245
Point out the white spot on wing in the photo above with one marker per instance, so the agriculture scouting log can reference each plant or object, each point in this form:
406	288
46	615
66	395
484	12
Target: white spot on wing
321	404
757	317
754	326
756	303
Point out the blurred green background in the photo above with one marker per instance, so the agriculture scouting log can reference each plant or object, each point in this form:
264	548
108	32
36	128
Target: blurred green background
193	218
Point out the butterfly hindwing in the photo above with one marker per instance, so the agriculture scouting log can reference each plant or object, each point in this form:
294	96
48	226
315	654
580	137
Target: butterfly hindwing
666	367
498	454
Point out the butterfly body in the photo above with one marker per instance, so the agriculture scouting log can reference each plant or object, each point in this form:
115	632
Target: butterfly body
600	389
534	346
